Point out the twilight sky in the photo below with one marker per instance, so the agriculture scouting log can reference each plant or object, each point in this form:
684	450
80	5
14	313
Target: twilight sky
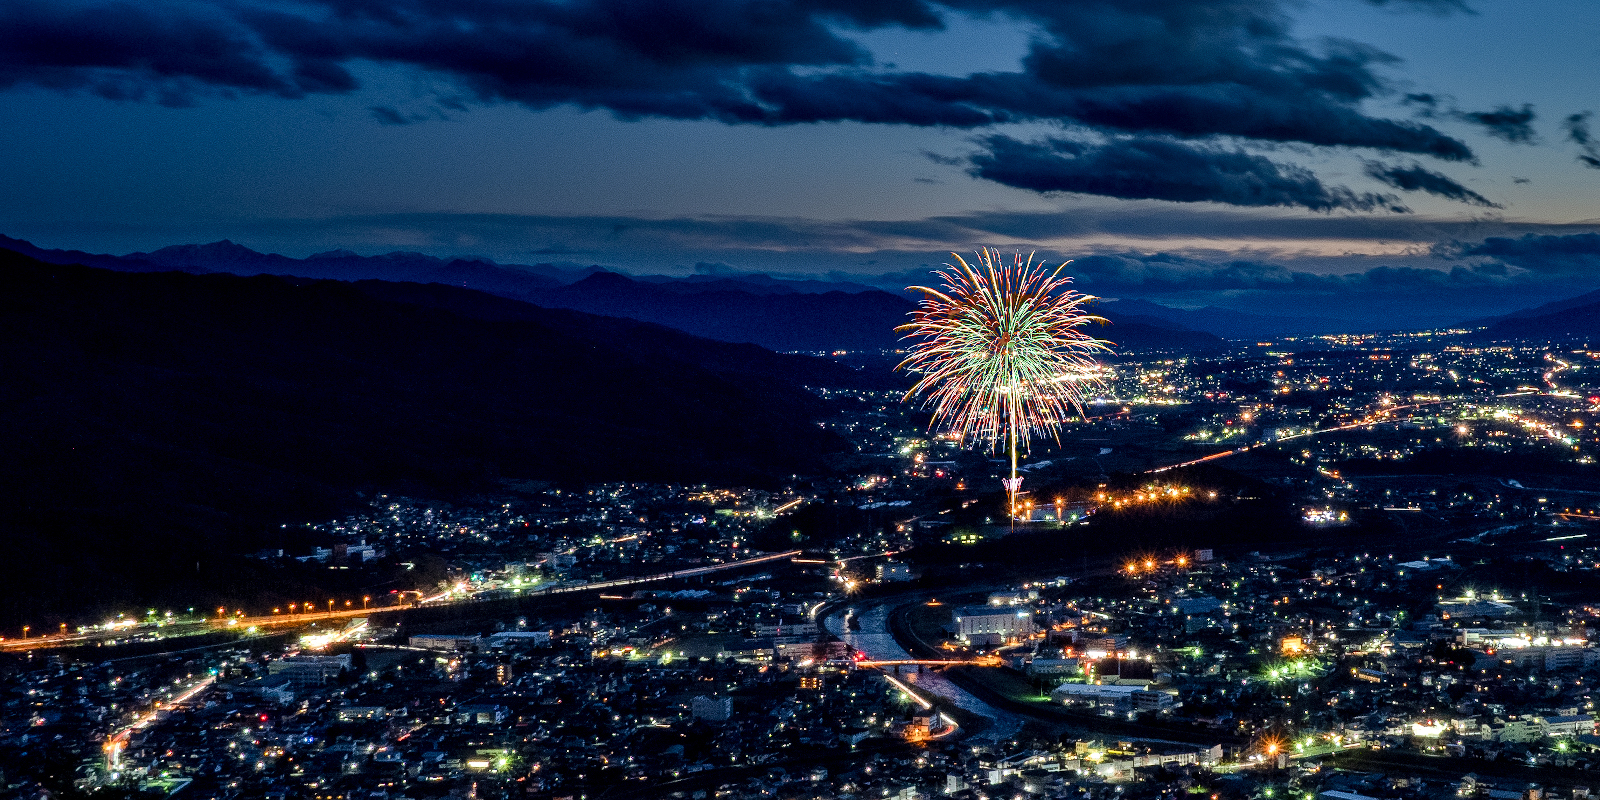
1367	158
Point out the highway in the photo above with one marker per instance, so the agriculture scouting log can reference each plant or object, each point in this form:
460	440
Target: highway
1381	417
460	594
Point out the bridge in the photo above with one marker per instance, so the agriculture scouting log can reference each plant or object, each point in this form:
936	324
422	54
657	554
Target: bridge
980	661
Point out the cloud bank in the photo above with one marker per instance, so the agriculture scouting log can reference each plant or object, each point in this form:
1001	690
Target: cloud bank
1175	92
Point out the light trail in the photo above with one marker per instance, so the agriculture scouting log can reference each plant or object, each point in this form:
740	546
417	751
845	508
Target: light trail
117	741
901	685
788	505
870	555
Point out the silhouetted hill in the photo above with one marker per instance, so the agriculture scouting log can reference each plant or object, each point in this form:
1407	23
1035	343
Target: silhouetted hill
1540	311
1563	320
748	361
796	321
776	313
755	283
1224	322
799	321
508	280
156	423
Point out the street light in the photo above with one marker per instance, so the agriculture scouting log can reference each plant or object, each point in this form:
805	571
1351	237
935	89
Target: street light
25	630
364	600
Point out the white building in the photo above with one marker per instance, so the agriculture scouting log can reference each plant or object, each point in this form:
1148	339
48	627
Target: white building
305	672
987	625
1572	725
1095	694
445	641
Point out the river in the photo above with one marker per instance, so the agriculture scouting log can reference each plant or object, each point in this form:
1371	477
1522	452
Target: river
875	640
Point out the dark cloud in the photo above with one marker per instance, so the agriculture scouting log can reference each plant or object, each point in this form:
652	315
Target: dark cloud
1578	133
388	116
1194	69
1505	123
1415	178
1161	169
1434	6
1575	254
128	51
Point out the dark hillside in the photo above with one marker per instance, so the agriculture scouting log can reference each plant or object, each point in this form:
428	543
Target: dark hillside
156	422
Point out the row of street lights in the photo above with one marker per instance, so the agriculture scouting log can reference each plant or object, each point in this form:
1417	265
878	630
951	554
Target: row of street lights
308	606
222	612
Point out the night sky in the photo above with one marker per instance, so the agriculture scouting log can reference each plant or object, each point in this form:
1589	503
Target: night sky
1427	159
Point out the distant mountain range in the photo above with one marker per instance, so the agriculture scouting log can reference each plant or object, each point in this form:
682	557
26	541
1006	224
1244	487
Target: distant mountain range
776	313
1574	317
156	422
1225	322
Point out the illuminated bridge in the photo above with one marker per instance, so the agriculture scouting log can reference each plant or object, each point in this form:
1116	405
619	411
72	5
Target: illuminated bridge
981	661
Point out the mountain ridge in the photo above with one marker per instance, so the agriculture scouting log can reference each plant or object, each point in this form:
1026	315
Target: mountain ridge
778	314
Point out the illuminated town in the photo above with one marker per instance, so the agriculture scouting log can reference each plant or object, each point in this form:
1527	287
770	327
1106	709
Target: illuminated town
799	400
1245	577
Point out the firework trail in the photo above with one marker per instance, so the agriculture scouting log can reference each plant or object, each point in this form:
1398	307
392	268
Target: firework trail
1000	351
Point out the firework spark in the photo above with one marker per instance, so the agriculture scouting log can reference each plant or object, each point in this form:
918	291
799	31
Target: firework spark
1000	351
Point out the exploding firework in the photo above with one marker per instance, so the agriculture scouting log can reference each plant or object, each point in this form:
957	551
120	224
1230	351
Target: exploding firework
1001	352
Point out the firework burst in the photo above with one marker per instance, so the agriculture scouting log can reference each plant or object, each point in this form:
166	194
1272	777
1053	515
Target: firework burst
1001	351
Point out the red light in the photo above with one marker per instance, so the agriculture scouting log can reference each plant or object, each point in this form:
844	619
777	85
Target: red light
263	717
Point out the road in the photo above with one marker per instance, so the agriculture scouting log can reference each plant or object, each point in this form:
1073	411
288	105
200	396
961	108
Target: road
119	740
1383	416
459	595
